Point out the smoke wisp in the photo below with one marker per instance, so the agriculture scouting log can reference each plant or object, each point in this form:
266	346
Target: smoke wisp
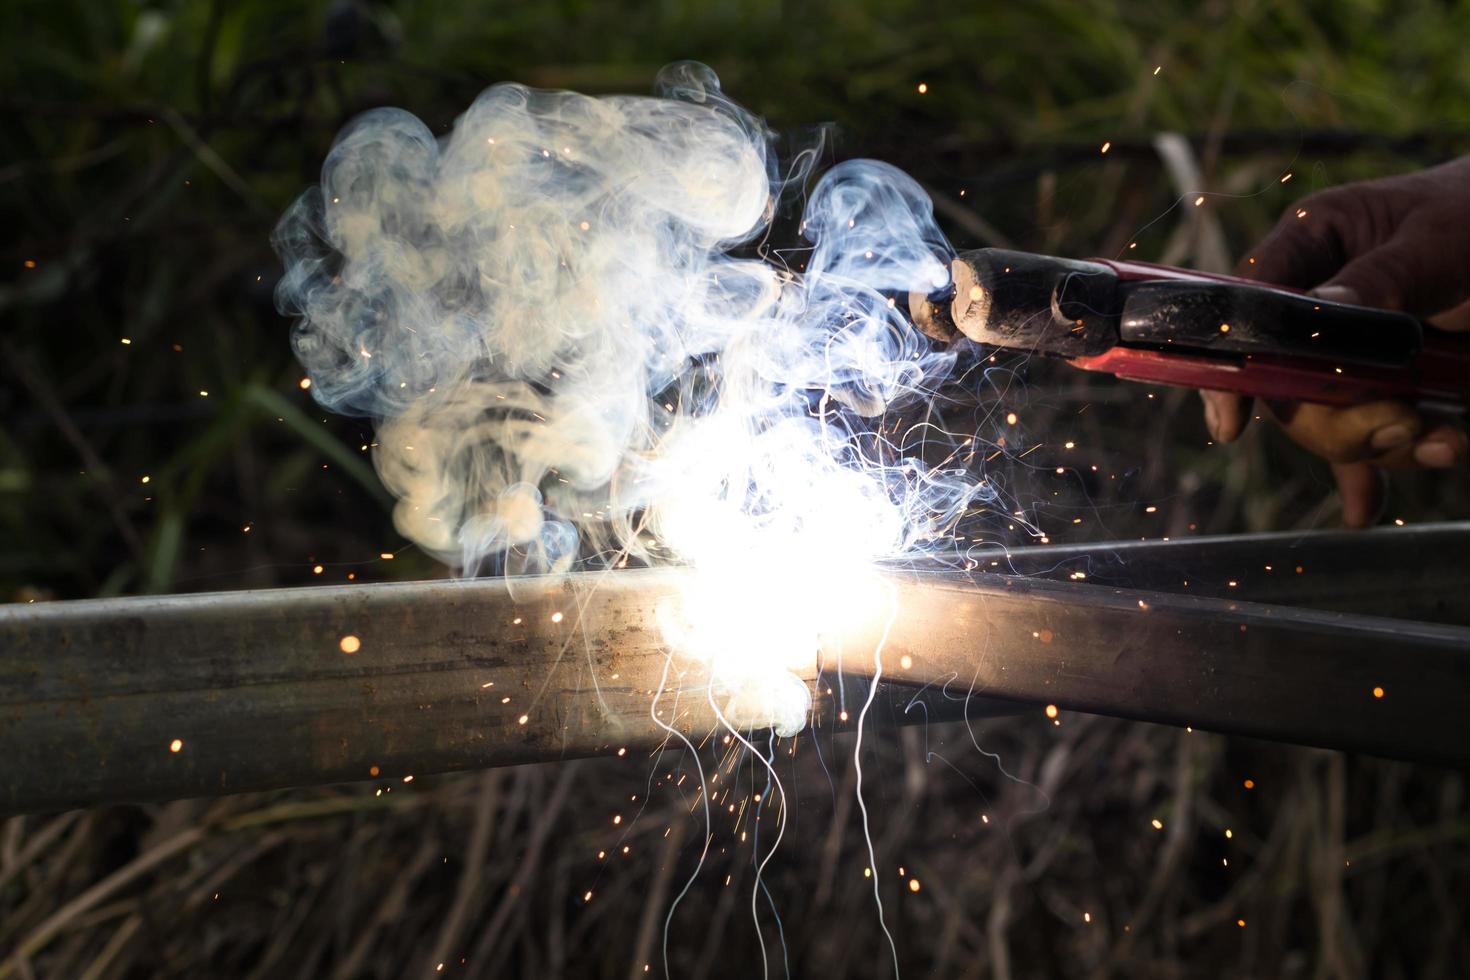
551	315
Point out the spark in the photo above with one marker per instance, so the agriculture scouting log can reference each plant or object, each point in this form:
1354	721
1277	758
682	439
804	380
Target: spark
813	501
304	383
387	555
126	340
1229	833
1107	146
1199	200
350	644
1378	693
177	745
914	884
1301	212
1051	711
146	478
1157	823
1158	69
1250	784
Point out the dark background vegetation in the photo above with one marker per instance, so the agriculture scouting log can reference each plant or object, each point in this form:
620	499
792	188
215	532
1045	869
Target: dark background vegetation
145	153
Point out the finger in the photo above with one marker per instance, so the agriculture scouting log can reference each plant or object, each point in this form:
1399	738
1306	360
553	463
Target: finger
1442	447
1225	414
1456	320
1360	487
1349	435
1439	447
1406	273
1305	248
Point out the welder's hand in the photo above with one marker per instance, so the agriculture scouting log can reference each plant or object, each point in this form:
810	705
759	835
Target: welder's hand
1401	243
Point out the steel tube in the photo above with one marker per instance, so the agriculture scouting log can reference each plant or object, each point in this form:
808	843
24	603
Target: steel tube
1415	572
1383	686
259	692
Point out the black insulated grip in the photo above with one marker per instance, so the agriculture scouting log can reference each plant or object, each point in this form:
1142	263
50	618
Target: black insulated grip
1248	319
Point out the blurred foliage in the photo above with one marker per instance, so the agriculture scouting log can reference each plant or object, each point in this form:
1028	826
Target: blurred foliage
150	147
146	153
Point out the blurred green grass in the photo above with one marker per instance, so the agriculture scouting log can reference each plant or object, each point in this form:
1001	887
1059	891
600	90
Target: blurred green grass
146	152
149	148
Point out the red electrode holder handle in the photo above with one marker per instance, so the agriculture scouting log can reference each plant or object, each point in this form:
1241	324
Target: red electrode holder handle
1438	376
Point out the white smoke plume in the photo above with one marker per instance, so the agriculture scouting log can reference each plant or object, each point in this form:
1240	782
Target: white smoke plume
567	360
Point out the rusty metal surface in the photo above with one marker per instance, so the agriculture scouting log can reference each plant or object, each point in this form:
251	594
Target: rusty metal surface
258	690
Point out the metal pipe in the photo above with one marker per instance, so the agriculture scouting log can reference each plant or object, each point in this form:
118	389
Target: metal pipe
157	698
1387	687
1416	572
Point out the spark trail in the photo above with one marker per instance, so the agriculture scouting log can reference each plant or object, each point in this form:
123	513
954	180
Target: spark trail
553	317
